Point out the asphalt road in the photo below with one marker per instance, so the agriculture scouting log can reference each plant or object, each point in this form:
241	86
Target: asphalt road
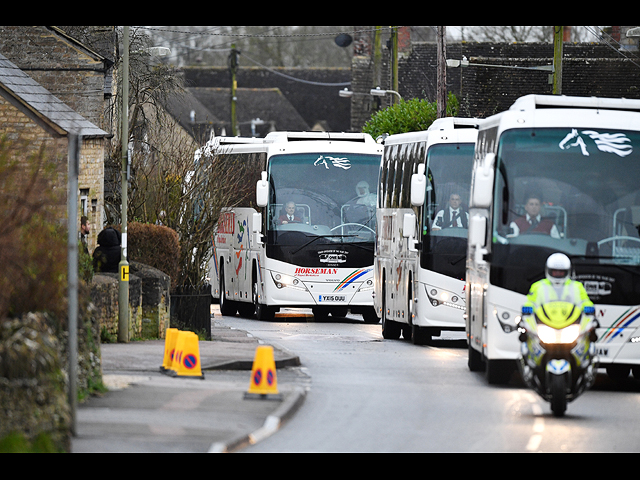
371	395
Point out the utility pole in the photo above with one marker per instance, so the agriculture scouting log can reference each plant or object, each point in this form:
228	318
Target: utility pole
123	293
558	46
233	67
75	141
395	82
442	72
377	64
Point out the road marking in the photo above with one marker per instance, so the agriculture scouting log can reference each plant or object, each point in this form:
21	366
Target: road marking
538	427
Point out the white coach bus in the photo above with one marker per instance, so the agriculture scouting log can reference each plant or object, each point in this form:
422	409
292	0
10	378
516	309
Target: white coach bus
577	160
423	224
310	243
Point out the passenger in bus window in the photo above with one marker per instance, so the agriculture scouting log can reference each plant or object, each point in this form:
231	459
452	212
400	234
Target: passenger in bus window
454	216
289	215
533	221
365	197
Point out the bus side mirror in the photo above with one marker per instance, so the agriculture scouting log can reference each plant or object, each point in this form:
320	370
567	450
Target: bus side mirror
478	237
409	225
418	187
257	223
262	191
478	231
256	228
483	183
409	230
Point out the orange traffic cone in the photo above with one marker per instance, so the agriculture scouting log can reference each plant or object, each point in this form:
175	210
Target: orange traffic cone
186	361
264	379
169	349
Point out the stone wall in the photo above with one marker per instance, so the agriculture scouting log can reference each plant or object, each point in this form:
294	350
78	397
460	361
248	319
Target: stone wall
149	302
34	398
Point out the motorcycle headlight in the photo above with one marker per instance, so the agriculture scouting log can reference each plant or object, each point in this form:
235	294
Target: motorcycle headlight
566	335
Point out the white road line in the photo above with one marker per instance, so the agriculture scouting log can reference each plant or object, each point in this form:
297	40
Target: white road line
538	427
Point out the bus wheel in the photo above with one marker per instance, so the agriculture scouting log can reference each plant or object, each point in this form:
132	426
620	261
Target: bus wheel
370	316
618	372
339	312
421	336
227	307
320	314
475	360
261	312
498	372
390	329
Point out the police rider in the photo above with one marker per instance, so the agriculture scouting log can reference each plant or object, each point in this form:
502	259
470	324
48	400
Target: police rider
557	286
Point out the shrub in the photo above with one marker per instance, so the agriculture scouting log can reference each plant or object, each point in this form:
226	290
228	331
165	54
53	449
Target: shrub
33	244
156	246
408	116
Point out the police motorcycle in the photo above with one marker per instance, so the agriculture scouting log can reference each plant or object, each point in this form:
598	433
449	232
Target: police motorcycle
558	355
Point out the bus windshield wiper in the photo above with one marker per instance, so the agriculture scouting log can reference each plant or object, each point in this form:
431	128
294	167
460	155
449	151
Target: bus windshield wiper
595	261
317	237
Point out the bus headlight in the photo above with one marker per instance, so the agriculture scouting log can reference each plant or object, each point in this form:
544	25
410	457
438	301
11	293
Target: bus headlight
438	297
366	286
285	281
508	320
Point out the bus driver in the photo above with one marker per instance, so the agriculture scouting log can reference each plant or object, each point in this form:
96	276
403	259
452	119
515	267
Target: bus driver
289	215
532	221
454	216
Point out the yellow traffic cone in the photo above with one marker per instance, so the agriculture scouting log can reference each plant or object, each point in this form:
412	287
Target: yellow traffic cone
186	361
264	379
169	349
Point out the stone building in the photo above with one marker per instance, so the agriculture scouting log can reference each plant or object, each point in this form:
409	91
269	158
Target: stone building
32	115
77	79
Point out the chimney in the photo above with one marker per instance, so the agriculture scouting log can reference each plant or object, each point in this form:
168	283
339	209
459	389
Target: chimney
615	34
404	40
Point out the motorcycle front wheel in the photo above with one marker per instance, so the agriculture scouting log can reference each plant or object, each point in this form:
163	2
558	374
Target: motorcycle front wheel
558	390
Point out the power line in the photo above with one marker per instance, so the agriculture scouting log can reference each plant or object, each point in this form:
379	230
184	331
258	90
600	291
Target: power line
253	35
609	42
299	80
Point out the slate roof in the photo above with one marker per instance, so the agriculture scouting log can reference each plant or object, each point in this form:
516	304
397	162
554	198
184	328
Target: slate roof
41	102
308	94
268	104
182	105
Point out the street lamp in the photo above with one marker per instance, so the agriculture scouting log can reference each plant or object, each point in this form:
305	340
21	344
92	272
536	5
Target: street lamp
378	92
346	93
633	32
458	63
465	63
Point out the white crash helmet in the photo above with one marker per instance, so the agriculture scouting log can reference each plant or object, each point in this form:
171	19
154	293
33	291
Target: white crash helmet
558	269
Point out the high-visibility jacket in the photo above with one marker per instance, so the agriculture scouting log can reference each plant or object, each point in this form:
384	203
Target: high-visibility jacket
544	292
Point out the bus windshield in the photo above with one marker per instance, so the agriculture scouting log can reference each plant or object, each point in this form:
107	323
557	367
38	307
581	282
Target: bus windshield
446	217
322	210
572	191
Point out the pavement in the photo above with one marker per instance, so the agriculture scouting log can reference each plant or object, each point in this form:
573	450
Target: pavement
148	411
